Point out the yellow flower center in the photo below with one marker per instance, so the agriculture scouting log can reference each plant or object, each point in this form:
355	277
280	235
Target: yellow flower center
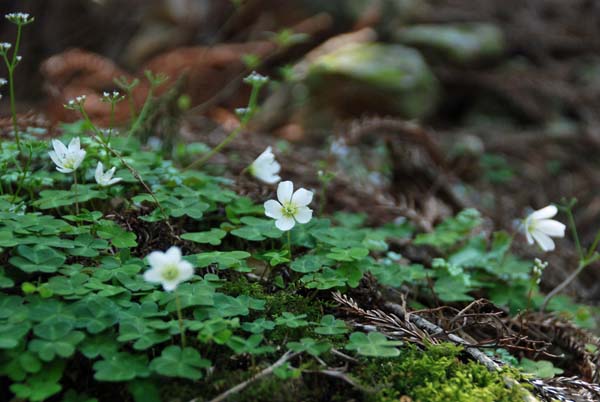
289	210
170	272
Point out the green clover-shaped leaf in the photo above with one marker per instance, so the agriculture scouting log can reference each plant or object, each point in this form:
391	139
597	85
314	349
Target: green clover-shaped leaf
310	346
121	367
374	344
329	325
177	362
38	259
291	320
212	237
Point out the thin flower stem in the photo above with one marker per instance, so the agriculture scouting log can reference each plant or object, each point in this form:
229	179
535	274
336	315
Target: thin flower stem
131	102
592	248
76	192
575	234
11	85
568	280
529	294
180	319
232	136
112	122
140	118
289	244
23	176
216	149
99	138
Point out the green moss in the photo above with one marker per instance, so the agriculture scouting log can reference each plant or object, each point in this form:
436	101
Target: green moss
433	375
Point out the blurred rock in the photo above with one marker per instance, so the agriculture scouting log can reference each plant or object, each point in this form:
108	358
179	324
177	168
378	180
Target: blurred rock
460	43
374	77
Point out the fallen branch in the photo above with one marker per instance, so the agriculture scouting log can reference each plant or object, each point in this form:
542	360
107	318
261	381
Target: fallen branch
267	371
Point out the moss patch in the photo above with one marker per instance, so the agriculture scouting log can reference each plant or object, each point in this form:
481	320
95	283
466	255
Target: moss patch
433	375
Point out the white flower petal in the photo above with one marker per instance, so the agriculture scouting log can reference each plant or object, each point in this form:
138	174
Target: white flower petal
273	209
528	236
271	179
302	197
285	191
304	215
173	255
157	259
152	275
170	285
114	181
543	240
64	169
59	148
551	227
186	270
57	161
544	213
99	171
266	157
74	145
285	223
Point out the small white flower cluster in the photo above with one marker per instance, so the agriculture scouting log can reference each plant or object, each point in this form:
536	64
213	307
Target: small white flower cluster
241	111
4	46
75	104
2	83
68	158
19	18
256	79
114	97
538	269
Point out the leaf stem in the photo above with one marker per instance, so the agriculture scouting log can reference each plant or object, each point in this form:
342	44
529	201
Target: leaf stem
180	319
252	102
76	192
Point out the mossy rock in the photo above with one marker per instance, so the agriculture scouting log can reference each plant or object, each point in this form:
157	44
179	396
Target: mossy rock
389	78
458	43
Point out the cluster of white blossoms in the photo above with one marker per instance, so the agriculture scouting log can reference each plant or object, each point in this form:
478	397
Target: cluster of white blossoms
290	207
68	158
19	18
540	228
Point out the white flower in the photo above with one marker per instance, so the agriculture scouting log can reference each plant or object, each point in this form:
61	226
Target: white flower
265	167
105	178
67	160
19	18
256	79
539	227
291	208
168	268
